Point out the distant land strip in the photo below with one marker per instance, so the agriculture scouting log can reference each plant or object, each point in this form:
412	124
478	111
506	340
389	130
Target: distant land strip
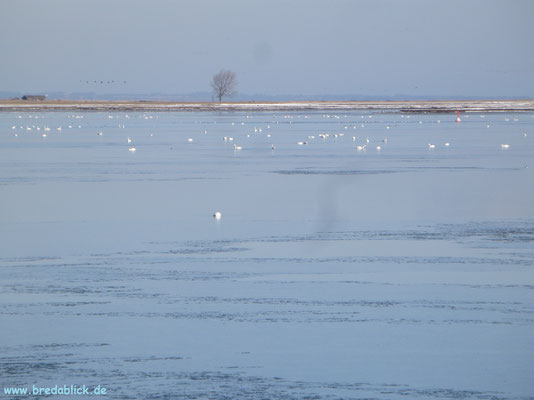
140	105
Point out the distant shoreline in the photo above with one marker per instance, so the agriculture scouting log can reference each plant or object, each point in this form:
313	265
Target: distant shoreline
157	106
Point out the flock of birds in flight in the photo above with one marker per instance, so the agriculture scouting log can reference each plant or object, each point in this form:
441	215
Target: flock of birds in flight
102	82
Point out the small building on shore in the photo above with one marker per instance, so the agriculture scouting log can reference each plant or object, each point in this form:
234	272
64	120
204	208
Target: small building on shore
34	97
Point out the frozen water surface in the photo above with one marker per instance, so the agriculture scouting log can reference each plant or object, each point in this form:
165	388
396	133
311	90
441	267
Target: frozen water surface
335	273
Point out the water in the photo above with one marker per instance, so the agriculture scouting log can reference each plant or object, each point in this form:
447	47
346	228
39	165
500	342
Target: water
405	272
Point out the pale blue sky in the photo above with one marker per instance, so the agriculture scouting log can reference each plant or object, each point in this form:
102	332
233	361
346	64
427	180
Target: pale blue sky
445	48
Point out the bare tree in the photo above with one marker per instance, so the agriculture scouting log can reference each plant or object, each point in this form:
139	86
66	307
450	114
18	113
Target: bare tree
224	83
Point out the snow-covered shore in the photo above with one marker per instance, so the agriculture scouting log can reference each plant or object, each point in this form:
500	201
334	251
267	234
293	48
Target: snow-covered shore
407	106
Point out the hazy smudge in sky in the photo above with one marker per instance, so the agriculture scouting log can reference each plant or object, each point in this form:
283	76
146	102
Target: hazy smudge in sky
477	48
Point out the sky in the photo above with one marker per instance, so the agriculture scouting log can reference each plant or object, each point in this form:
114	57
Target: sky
468	48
